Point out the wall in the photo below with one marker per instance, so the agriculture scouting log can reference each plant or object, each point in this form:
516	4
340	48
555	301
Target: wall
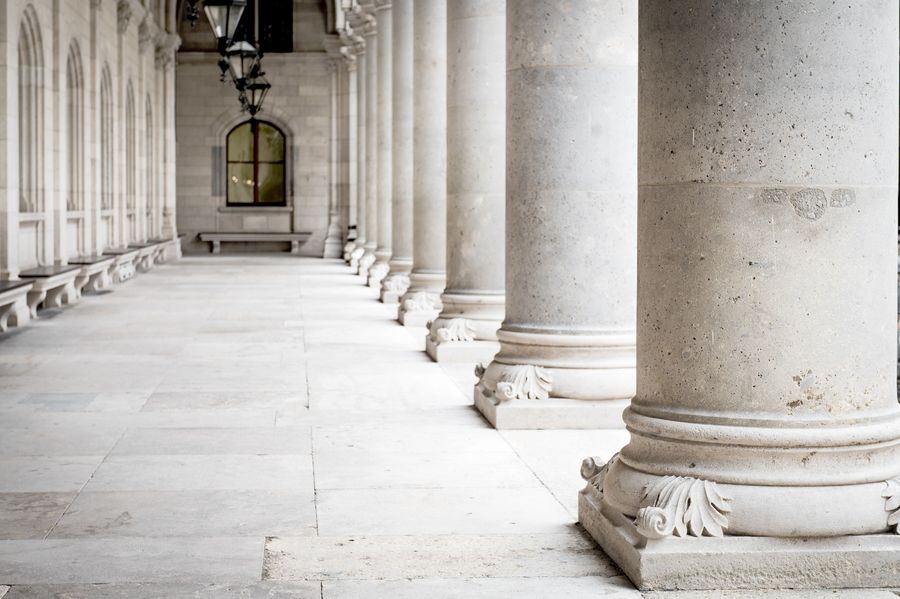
206	110
125	37
299	103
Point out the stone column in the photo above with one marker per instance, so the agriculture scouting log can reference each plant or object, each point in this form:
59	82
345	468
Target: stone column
380	268
766	417
348	145
371	141
358	248
566	356
466	329
396	282
333	238
422	302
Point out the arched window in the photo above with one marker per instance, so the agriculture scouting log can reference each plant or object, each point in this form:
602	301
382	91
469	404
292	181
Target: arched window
150	170
31	115
255	158
131	212
106	149
75	130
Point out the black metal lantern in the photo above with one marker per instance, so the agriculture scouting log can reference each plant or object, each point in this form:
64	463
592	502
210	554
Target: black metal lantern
243	62
224	16
254	93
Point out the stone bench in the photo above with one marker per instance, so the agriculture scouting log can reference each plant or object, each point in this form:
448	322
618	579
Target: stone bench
14	304
216	239
94	272
149	253
53	285
123	265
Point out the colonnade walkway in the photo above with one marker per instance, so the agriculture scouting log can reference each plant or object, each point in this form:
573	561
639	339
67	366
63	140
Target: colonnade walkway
261	426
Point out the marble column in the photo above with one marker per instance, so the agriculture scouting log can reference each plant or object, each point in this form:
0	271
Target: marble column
466	329
567	344
371	141
384	44
356	252
765	421
422	301
396	282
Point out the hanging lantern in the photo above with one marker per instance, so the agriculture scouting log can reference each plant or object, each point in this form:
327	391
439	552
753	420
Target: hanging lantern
224	16
242	59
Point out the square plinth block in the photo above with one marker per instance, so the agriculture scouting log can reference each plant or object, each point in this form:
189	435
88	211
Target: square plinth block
553	413
390	297
474	352
733	562
416	318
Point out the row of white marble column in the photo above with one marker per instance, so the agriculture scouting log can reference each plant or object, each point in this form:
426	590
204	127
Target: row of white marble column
725	273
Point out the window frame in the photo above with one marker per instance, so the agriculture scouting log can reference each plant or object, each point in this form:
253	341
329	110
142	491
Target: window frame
254	126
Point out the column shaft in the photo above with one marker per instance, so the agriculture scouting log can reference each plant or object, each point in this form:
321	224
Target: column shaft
568	336
396	282
372	236
466	329
766	381
384	132
421	303
358	249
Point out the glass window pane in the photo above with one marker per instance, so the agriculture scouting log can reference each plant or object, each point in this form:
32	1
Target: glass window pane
271	182
271	144
240	183
240	144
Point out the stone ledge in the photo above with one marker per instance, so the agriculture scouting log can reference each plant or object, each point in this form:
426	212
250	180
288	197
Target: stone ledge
731	562
552	413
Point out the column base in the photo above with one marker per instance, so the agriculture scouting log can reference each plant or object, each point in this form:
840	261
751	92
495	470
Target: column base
377	272
333	249
365	263
348	250
393	287
476	351
419	306
739	562
551	413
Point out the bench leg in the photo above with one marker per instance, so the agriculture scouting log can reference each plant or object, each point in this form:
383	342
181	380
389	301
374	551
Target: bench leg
81	282
20	315
216	247
34	299
58	297
295	247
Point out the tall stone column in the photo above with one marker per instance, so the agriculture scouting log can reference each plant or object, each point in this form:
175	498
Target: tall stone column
384	45
566	356
466	329
371	141
358	249
766	417
421	303
396	282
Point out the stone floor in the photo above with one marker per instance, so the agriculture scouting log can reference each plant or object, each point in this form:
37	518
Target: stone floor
261	427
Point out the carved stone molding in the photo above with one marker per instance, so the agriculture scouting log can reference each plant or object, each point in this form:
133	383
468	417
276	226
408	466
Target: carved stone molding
891	496
123	15
455	329
356	256
145	35
365	263
682	506
593	470
396	283
523	381
422	301
166	45
377	272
